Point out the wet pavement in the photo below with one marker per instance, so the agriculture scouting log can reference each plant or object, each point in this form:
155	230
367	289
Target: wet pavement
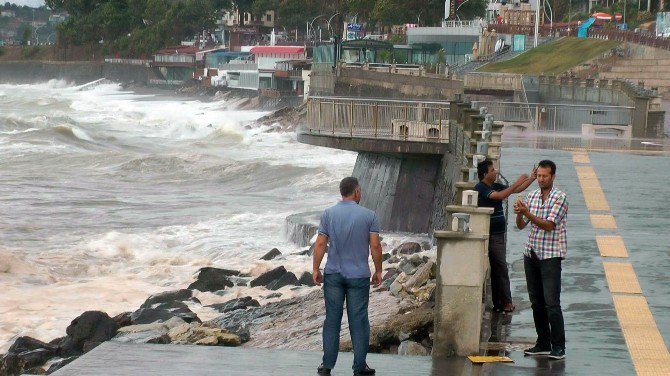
636	188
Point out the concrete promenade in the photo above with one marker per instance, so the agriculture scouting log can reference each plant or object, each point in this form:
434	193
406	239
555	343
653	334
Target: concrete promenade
615	290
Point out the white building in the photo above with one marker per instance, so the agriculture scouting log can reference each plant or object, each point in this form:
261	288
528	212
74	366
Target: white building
232	18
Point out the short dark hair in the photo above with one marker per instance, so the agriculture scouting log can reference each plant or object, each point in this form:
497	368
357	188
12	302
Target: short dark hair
483	168
547	163
348	185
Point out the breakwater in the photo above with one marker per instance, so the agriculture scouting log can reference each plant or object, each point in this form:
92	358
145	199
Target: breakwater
79	72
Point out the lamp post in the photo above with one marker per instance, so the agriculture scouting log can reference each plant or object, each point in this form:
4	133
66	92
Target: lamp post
330	29
311	25
537	23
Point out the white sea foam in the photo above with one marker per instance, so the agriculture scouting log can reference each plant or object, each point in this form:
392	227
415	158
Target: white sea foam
144	192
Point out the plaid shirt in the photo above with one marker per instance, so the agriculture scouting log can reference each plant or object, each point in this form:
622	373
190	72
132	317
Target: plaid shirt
548	244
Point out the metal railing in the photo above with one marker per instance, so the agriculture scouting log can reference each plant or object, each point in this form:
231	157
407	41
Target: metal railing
557	117
378	118
428	121
128	61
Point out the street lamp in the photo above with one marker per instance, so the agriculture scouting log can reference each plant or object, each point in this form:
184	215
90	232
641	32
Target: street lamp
537	23
311	25
330	29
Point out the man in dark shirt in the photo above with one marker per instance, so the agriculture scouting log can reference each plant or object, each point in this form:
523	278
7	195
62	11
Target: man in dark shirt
491	195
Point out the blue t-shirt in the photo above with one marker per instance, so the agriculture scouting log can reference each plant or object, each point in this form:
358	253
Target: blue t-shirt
483	200
348	226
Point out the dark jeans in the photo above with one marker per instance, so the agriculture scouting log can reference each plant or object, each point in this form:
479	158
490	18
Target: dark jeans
500	290
356	291
543	278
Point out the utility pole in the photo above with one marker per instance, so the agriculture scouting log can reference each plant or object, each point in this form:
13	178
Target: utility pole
537	23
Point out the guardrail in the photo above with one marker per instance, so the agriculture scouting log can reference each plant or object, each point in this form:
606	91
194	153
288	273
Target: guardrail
143	62
428	121
557	117
425	121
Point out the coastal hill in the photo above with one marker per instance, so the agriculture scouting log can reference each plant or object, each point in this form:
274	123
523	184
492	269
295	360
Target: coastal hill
553	58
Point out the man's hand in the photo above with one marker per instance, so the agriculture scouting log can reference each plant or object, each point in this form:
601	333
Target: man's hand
533	174
522	179
317	277
520	207
377	279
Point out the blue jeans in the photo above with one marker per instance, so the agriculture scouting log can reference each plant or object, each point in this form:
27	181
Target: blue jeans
543	279
357	293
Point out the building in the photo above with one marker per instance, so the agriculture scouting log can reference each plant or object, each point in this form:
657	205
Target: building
57	18
457	38
232	19
174	65
8	13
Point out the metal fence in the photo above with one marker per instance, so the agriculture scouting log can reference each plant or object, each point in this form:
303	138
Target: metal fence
370	118
428	120
557	117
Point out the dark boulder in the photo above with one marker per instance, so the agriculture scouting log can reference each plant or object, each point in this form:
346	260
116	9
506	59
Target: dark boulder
60	364
272	254
235	304
269	276
24	344
91	327
164	312
123	319
408	248
390	273
19	363
385	256
285	280
306	279
213	279
168	296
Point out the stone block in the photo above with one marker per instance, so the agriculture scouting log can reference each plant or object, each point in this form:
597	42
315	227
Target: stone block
458	317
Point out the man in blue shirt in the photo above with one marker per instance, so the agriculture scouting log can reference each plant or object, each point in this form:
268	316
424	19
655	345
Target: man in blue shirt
352	234
491	195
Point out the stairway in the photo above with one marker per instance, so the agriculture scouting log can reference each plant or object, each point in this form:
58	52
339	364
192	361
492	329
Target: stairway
655	73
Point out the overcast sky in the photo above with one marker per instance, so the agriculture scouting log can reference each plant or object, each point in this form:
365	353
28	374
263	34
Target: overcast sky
30	3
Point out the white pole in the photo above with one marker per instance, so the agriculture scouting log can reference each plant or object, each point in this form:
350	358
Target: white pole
537	23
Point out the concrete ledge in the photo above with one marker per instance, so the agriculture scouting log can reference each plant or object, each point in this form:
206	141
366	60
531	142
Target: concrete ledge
469	209
374	145
459	235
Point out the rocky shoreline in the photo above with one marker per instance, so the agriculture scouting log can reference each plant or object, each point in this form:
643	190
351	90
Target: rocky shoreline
294	323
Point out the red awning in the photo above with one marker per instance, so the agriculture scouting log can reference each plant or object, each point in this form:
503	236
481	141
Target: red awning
602	16
277	50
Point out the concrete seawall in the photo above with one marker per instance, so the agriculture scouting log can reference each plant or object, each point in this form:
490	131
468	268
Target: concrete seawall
408	192
79	72
364	83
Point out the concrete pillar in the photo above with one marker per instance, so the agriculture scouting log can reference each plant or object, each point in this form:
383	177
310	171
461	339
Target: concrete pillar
461	257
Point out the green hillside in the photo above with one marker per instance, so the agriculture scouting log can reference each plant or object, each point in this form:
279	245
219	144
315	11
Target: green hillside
553	58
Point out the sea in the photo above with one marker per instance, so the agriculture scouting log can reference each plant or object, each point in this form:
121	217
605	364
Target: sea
109	195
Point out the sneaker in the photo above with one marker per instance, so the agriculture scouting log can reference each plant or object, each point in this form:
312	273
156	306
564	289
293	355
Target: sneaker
365	371
557	353
321	370
537	350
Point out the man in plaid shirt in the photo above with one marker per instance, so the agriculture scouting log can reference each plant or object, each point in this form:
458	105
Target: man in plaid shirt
546	210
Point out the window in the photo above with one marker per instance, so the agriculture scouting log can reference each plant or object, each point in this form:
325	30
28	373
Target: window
246	17
269	18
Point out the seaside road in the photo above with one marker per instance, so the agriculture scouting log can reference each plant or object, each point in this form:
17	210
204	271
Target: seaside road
615	277
614	293
120	359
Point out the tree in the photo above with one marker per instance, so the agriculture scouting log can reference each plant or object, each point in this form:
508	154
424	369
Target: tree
294	14
26	34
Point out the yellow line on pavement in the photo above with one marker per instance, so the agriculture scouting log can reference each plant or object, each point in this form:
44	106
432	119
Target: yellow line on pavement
593	193
611	246
644	341
646	346
580	157
603	221
621	278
